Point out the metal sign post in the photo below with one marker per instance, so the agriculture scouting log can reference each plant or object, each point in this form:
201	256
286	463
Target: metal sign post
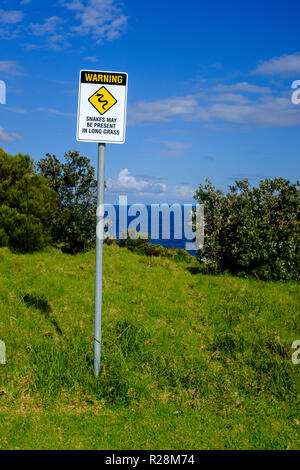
102	102
99	257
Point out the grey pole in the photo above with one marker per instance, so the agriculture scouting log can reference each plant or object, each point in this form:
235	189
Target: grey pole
99	257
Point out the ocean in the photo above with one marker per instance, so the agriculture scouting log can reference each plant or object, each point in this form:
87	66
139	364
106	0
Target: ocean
167	229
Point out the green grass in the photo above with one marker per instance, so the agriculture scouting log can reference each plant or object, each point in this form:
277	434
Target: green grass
189	361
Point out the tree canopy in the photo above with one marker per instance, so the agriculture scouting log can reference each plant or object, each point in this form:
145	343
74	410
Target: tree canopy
27	204
252	230
75	185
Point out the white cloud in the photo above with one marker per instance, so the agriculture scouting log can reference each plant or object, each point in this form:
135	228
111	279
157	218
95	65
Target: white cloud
101	20
49	26
11	16
98	20
228	98
269	111
286	65
150	177
10	67
91	58
8	138
15	109
144	186
273	113
127	183
184	192
242	86
53	30
55	112
163	110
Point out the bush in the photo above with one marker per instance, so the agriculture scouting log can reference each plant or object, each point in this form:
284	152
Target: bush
75	185
252	231
180	254
27	204
157	250
135	241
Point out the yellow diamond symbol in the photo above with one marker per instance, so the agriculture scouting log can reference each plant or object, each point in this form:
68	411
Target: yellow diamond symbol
102	100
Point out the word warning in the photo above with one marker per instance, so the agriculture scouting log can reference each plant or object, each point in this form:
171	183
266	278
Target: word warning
102	106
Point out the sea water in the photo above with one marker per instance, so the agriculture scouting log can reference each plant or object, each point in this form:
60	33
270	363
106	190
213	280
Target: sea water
176	239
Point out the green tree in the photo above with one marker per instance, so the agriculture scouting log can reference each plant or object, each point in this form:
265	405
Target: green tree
27	204
75	184
252	230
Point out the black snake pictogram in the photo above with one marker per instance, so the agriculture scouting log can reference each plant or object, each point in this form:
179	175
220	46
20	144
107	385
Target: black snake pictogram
104	102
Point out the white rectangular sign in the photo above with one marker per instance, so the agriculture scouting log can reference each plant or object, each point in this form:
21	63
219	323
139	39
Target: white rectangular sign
102	104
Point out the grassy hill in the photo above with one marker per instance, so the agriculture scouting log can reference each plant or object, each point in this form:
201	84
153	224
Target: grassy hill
190	361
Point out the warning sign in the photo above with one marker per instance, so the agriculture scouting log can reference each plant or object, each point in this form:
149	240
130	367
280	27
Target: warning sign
102	106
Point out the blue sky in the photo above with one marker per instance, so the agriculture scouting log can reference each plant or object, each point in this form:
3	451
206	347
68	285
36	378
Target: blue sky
209	91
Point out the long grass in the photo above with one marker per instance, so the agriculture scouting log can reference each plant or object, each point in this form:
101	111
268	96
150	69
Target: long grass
189	361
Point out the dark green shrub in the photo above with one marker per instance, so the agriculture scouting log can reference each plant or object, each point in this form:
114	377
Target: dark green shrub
27	204
110	241
180	254
3	238
158	250
252	231
135	241
23	232
75	185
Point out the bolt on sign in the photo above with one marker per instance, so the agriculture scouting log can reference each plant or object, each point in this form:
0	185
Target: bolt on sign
102	106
